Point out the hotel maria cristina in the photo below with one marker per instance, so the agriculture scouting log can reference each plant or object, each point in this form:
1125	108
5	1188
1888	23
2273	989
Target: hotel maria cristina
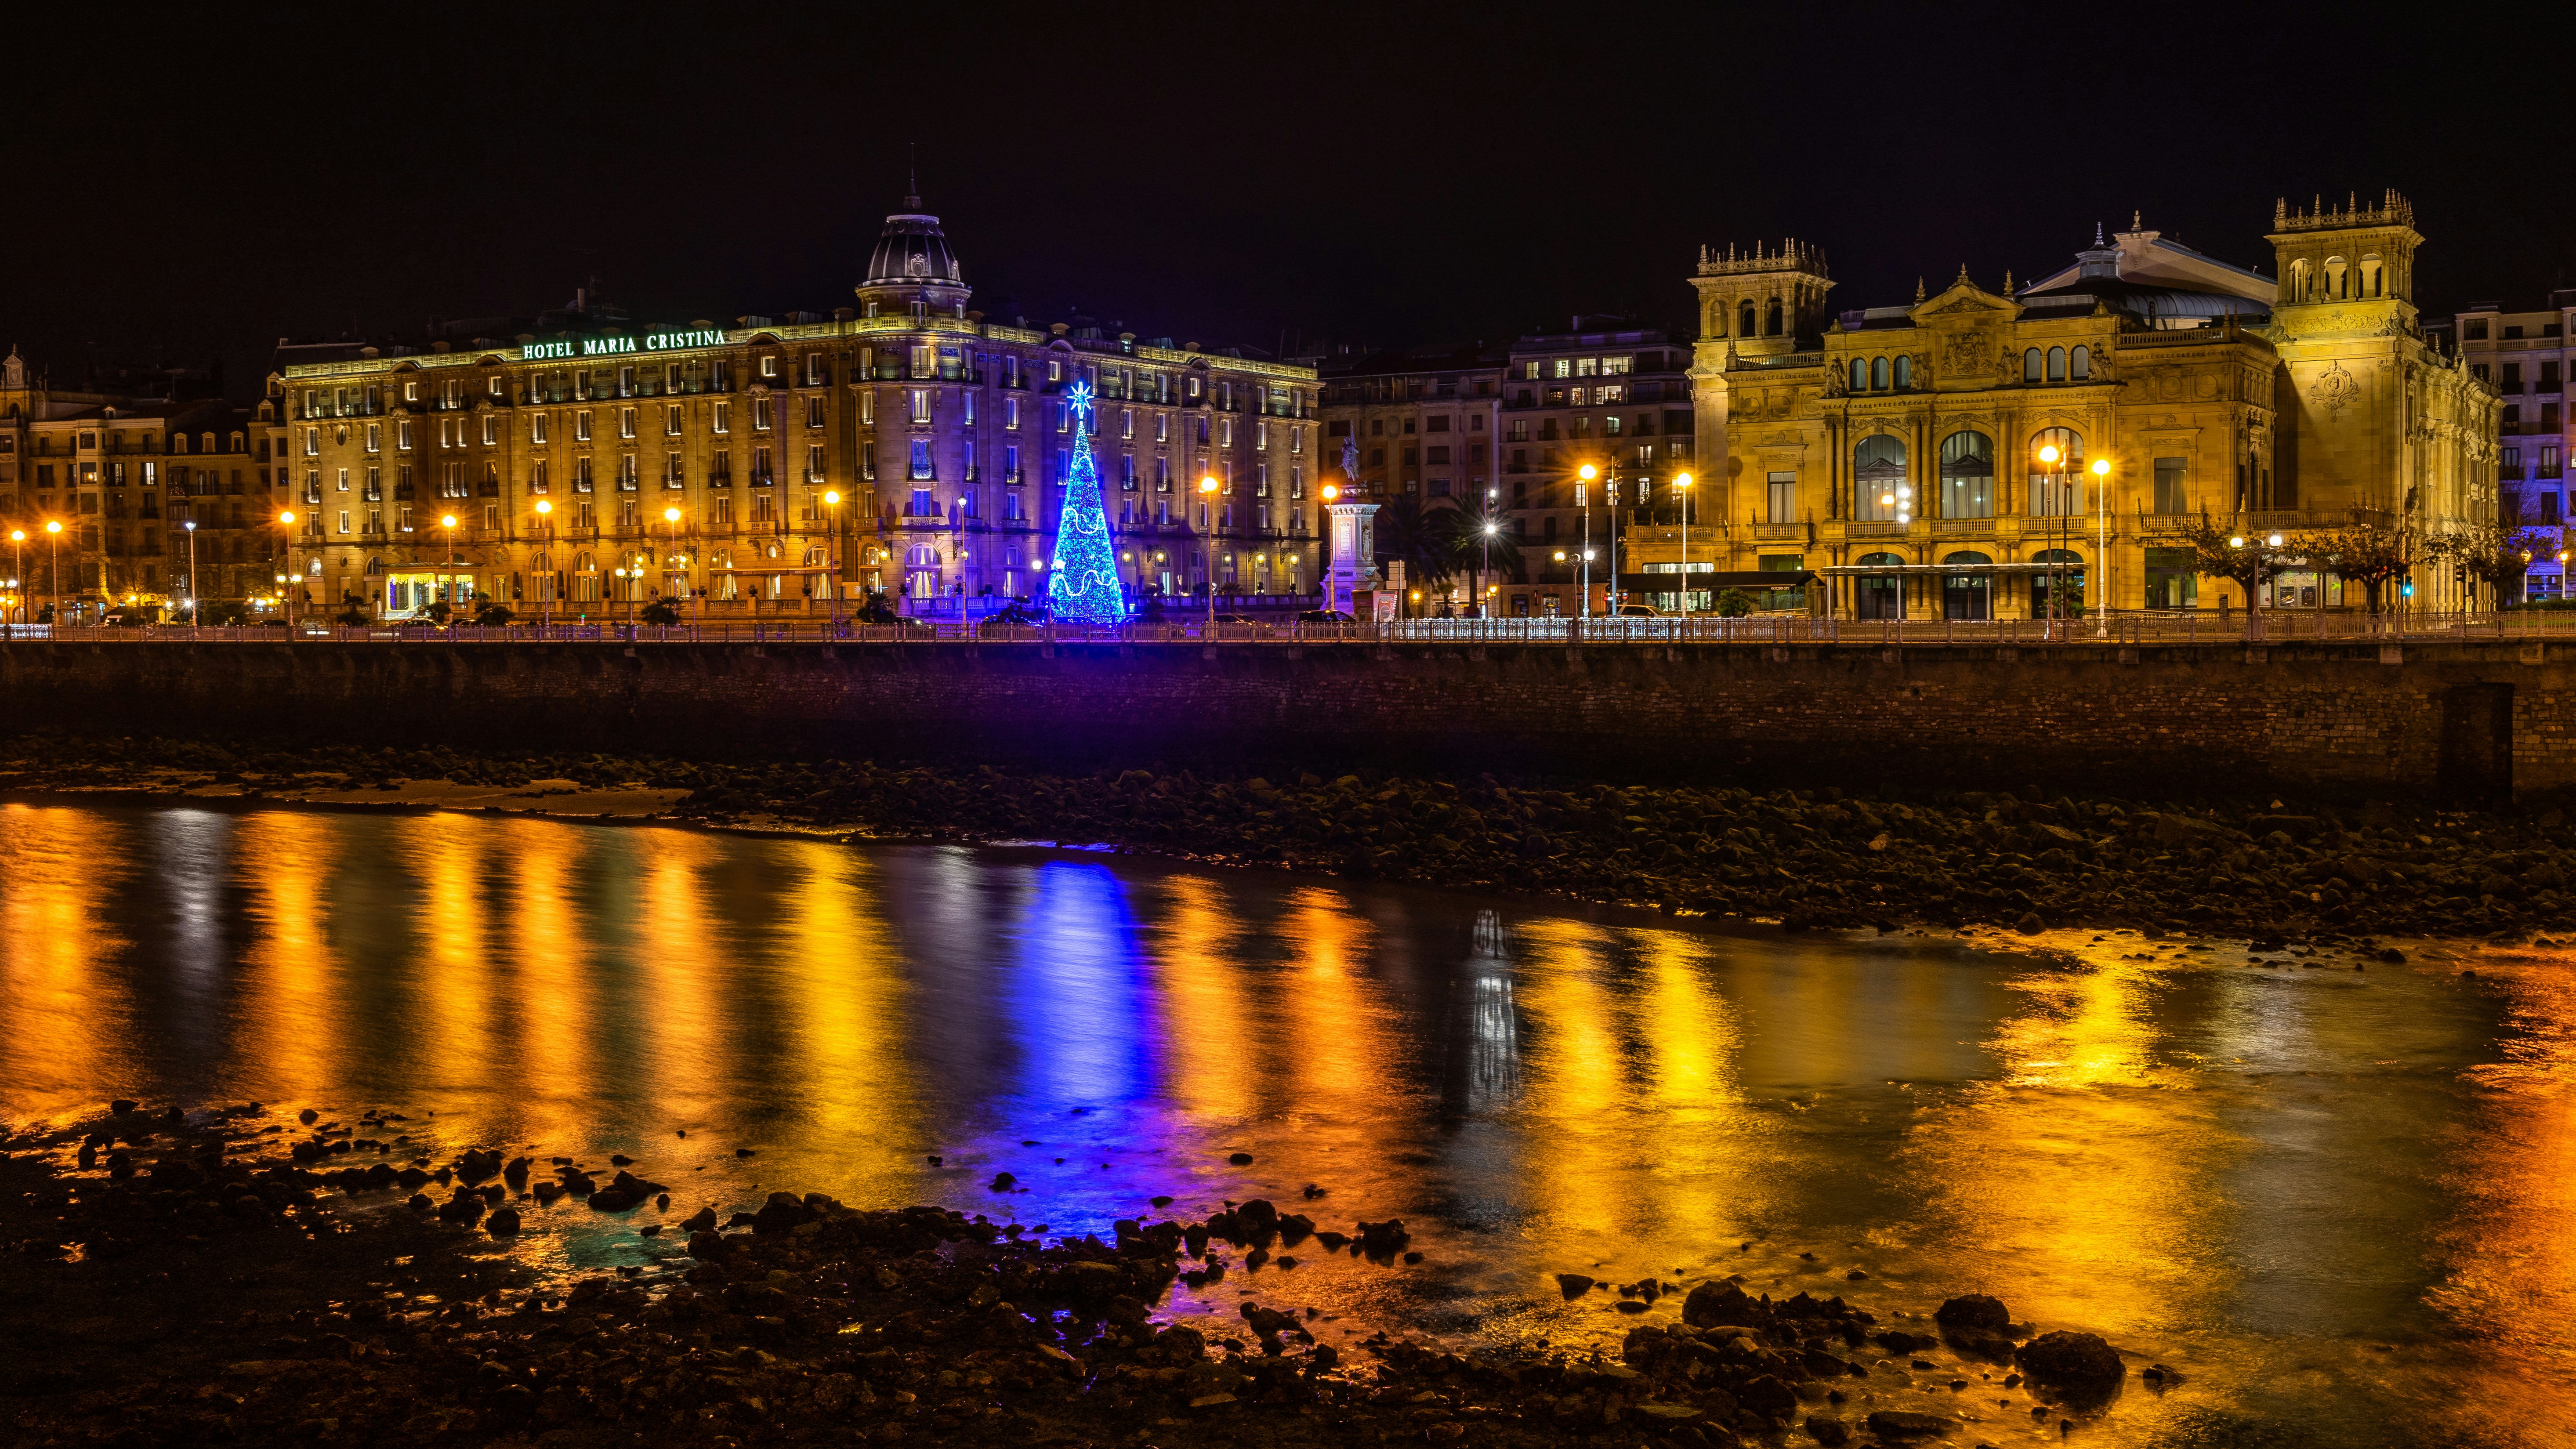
583	460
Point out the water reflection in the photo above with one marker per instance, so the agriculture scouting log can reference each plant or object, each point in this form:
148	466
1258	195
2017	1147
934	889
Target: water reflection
2333	1197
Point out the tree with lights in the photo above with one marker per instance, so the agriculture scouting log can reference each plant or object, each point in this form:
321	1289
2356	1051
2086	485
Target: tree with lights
1083	586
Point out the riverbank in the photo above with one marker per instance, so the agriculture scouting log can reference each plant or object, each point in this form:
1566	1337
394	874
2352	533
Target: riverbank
2263	869
237	1276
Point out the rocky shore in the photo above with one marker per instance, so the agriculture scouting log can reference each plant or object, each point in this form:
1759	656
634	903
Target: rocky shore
2264	869
237	1276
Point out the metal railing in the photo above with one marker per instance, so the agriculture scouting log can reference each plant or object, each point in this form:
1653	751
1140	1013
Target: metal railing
2129	629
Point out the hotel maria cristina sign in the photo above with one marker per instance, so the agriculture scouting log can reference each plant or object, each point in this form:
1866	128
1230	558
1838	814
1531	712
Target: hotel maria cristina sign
617	346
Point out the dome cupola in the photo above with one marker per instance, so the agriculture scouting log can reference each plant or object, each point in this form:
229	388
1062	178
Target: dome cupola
912	268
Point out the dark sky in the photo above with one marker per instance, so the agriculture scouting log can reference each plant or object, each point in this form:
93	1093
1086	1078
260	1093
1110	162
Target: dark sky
196	189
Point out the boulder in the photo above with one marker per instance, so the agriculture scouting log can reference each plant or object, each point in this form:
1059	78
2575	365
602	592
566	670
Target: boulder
1712	1304
2080	1362
1974	1311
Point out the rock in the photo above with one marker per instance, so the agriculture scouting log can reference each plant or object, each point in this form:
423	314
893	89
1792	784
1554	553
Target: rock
1003	1182
1828	1431
1767	1396
1712	1304
2030	924
308	1116
701	1221
123	1105
1575	1285
502	1223
1974	1310
1241	1159
2081	1362
1897	1424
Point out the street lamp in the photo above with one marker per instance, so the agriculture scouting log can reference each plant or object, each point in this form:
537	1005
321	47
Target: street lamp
1207	489
623	574
1681	485
2048	456
286	522
546	584
447	547
1583	500
191	526
832	501
18	541
2102	547
1491	528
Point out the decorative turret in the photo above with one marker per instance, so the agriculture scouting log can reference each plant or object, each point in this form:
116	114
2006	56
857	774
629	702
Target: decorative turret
1762	301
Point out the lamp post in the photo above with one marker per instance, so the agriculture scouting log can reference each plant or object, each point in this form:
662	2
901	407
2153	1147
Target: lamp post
832	501
54	570
623	574
18	542
447	556
1681	485
1207	489
286	523
1583	500
2102	547
191	526
2049	455
546	585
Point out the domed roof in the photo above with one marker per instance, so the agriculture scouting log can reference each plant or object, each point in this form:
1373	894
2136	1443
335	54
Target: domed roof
913	251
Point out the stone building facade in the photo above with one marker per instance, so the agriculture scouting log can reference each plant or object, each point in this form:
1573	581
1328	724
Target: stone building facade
1504	430
769	463
1933	459
125	471
2528	358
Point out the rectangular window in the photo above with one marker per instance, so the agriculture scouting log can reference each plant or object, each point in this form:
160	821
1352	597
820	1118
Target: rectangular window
375	438
813	412
760	418
580	427
626	420
536	427
1011	413
344	520
921	405
671	420
921	458
1783	498
724	417
2169	486
813	463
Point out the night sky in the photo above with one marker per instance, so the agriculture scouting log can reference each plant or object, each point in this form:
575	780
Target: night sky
1384	175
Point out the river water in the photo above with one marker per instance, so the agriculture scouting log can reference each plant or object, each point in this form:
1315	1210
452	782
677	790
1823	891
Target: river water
2335	1201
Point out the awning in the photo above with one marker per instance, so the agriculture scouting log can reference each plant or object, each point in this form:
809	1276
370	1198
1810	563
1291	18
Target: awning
1712	579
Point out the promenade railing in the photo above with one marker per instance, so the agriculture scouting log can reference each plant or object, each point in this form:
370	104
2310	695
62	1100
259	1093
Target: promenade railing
2122	630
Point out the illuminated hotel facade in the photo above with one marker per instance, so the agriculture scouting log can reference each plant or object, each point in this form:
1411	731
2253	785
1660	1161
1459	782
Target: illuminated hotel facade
769	463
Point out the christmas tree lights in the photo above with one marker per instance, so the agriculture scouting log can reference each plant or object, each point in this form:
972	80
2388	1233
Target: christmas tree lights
1083	586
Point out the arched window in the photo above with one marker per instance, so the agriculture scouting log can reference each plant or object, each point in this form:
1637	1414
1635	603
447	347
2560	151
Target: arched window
1772	328
2338	279
2056	458
1878	374
1745	325
2058	594
375	567
1882	596
1860	375
2057	364
2300	280
2371	276
2030	365
921	556
1967	475
1964	595
1879	488
178	442
2079	364
1904	372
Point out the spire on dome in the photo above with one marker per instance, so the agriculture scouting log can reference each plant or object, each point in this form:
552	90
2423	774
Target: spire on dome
911	176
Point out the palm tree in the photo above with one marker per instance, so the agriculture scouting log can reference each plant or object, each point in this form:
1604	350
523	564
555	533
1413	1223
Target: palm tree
1406	533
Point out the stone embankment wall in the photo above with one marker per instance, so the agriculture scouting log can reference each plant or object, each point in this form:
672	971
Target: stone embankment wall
2470	719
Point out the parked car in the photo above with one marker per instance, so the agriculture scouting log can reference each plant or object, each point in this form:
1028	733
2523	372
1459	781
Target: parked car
1325	616
1640	611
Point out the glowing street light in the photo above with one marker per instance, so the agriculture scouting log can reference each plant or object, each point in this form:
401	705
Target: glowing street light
832	501
1583	500
1681	485
2102	548
286	523
1207	489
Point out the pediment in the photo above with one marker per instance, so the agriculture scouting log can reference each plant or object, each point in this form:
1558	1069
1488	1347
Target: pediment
1965	301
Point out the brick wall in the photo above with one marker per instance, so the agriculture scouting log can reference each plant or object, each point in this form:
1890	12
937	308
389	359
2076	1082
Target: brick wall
2166	720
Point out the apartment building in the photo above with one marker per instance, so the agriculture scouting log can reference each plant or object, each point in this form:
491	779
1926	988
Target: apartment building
2526	356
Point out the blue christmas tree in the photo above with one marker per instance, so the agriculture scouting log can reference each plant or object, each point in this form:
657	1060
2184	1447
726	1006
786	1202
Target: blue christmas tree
1084	589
